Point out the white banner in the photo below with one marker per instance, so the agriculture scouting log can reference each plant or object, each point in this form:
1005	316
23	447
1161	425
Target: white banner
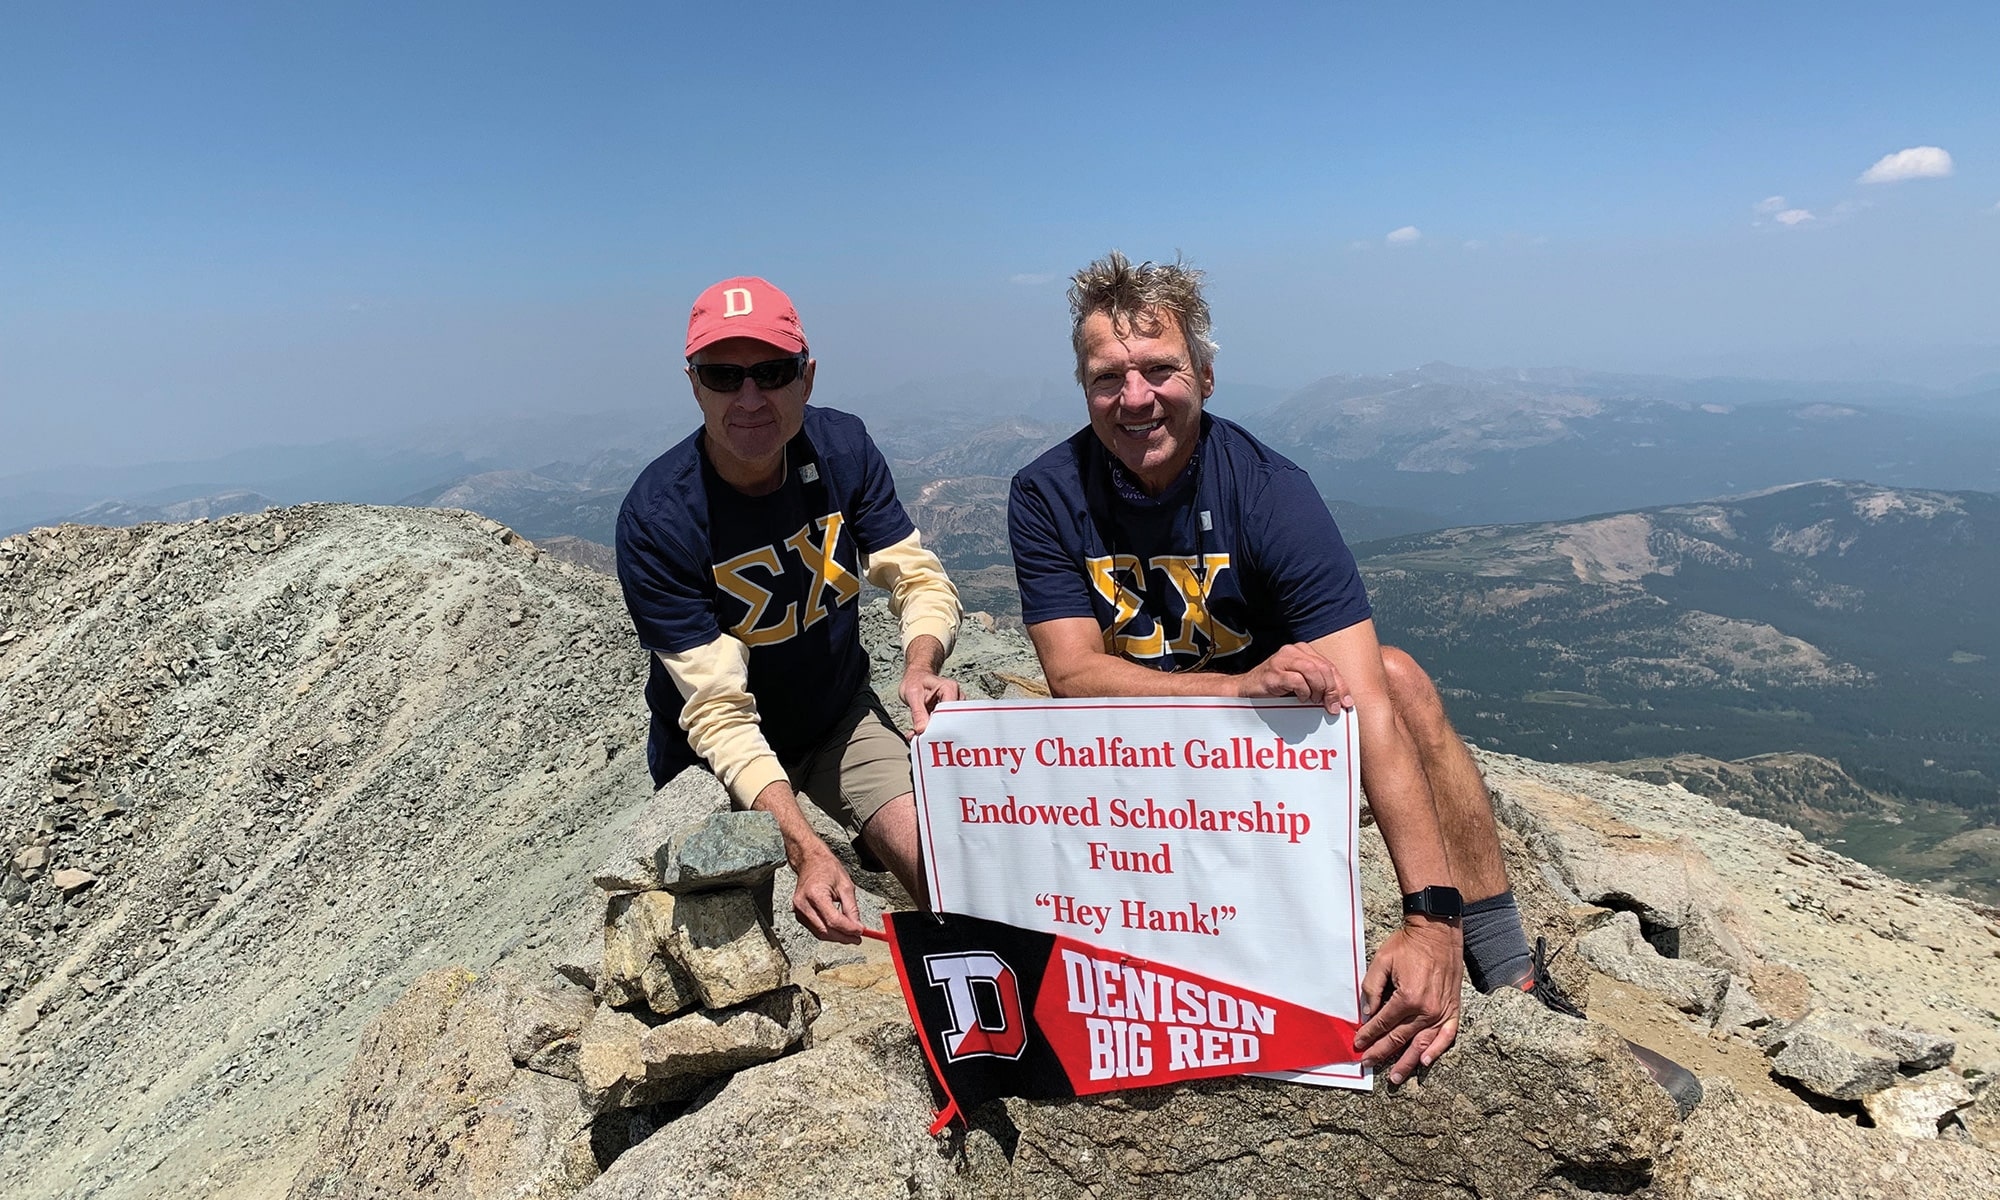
1214	834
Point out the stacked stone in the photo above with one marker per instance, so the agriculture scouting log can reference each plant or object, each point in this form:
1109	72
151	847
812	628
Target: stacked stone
692	984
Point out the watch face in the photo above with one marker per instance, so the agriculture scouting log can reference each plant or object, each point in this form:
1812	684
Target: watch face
1435	902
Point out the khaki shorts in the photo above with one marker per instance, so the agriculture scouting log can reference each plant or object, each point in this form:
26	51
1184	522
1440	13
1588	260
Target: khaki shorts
862	765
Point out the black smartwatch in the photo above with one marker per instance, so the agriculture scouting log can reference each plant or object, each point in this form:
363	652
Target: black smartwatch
1435	902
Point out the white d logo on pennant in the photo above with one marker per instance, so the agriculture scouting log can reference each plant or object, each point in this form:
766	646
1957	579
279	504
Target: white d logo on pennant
736	302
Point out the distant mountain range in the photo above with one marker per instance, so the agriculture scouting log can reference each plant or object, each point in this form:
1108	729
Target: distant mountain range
221	504
1532	445
1427	448
1843	619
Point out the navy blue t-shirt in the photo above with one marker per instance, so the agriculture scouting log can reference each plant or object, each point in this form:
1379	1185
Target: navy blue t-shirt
1235	559
781	573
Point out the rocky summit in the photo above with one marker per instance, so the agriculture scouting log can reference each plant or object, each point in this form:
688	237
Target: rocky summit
331	869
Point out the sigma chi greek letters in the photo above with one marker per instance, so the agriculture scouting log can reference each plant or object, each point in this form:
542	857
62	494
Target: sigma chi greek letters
1183	584
738	578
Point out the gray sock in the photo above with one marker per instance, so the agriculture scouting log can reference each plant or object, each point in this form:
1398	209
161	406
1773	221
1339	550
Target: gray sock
1496	947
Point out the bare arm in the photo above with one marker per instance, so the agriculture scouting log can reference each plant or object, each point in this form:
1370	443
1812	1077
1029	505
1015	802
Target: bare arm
824	899
1075	663
1410	994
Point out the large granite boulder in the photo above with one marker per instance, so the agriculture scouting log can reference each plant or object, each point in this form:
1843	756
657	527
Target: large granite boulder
1529	1103
845	1120
435	1104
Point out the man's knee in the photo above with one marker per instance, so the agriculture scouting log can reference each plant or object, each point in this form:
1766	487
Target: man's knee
891	835
1409	686
1415	698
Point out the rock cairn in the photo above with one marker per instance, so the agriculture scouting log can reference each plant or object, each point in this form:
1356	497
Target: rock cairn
693	983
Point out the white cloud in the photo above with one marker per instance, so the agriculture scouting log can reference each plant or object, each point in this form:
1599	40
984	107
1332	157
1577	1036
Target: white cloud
1769	205
1793	216
1026	279
1403	236
1918	162
1475	244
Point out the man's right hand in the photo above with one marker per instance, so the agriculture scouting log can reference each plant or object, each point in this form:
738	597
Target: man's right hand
1301	671
824	899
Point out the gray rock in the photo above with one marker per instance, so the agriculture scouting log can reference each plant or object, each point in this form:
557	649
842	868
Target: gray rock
610	1071
1669	884
1617	948
847	1119
695	1048
1916	1107
72	880
1739	1008
623	1063
1737	1148
539	1016
560	1059
732	849
434	1105
1829	1055
1527	1104
828	955
724	949
1915	1049
578	952
1982	1117
634	865
639	957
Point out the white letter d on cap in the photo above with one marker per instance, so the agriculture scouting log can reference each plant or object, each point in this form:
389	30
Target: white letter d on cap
736	302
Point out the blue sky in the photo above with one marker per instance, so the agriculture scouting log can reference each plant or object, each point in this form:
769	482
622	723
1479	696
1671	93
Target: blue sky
226	224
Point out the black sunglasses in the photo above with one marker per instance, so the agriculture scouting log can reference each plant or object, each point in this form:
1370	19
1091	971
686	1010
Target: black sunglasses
769	375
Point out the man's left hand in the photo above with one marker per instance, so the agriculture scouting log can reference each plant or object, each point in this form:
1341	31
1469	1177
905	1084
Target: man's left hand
1419	966
923	691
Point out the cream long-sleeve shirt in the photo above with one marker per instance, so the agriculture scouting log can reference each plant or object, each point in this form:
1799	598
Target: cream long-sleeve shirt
719	713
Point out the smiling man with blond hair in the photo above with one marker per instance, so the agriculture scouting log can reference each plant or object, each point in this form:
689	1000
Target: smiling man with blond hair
1162	550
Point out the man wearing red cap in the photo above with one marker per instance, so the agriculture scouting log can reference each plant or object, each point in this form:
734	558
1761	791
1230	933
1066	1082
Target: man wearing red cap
741	552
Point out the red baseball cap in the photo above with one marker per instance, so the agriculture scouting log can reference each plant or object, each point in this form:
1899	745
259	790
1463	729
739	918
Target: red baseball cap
745	307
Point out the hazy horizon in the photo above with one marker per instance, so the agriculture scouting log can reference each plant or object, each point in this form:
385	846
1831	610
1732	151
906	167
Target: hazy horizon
675	411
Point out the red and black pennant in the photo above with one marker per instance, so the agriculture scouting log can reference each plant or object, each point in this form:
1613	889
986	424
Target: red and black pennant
1006	1011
